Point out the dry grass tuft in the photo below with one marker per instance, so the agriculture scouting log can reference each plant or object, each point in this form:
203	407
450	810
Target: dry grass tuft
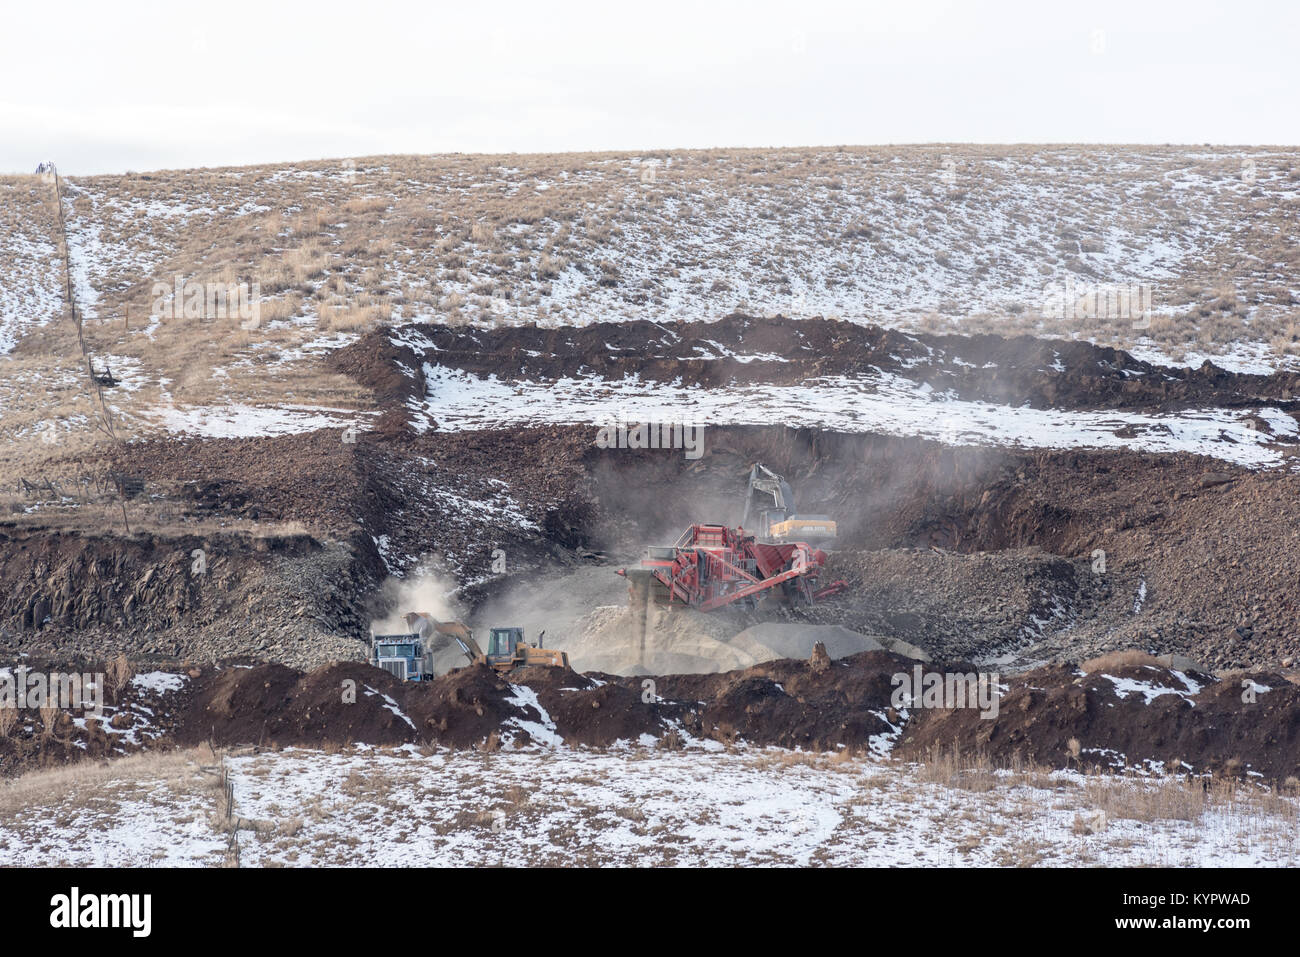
119	673
80	780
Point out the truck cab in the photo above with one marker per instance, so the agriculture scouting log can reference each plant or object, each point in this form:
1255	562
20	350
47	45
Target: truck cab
402	656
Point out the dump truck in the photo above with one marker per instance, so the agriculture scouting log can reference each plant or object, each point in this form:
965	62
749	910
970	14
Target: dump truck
408	655
405	656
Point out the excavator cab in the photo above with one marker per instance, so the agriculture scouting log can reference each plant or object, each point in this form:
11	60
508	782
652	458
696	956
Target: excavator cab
503	643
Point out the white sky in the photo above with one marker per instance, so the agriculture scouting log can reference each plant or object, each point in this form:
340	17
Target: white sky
130	84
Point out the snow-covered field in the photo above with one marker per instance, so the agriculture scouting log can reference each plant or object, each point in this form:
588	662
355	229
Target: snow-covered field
238	420
639	806
31	272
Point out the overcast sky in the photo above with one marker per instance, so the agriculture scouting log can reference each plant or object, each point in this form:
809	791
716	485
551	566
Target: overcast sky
105	87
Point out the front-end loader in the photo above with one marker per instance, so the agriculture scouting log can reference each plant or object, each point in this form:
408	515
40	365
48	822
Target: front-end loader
507	649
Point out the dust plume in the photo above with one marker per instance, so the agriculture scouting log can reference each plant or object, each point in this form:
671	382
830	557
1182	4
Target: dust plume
426	591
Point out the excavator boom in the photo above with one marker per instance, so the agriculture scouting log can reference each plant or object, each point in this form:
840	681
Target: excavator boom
778	521
470	647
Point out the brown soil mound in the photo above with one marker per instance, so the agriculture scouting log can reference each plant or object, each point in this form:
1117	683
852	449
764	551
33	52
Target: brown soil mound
796	704
1129	716
1132	715
134	716
341	703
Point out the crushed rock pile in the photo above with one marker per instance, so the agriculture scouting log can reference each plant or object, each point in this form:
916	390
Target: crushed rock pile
682	641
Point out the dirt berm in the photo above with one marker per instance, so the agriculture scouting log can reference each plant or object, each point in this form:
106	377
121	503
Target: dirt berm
739	349
1123	711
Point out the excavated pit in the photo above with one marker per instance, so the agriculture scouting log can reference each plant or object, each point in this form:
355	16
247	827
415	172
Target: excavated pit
1004	557
988	554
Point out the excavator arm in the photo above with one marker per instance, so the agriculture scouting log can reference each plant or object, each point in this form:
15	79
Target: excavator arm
764	480
427	626
780	520
470	647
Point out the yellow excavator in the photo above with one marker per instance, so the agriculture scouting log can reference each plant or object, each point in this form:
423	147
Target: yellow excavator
777	521
506	650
